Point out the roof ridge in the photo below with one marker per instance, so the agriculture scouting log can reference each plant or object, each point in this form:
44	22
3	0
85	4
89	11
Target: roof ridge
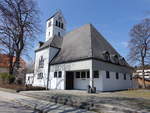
91	40
57	11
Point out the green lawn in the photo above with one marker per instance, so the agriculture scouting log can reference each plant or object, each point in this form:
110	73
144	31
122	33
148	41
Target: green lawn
135	93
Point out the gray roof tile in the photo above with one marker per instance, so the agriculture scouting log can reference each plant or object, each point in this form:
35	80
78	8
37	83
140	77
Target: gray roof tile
84	42
53	42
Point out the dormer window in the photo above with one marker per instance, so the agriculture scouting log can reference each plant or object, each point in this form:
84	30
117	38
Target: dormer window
116	59
123	61
41	62
106	56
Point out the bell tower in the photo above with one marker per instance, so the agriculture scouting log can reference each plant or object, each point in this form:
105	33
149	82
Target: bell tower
56	25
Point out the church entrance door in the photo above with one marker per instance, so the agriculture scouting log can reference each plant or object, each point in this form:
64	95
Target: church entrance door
69	80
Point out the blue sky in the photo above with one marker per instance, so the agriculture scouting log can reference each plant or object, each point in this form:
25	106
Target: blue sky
112	18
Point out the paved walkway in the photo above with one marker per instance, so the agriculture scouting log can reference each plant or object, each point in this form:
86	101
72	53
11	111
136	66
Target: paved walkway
8	105
16	103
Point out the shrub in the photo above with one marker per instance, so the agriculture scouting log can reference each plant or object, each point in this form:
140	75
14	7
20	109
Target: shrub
19	82
11	79
30	88
7	78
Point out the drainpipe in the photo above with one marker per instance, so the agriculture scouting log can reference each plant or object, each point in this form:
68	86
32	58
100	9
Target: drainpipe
48	76
48	69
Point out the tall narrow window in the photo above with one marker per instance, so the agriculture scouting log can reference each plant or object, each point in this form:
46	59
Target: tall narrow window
117	75
83	74
58	33
125	77
56	23
60	74
96	74
77	74
88	74
130	77
55	74
62	25
107	75
59	24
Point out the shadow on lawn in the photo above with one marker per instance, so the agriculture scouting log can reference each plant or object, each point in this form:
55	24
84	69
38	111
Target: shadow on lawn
49	107
95	103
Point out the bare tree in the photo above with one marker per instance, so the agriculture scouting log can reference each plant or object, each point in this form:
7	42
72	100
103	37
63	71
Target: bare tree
19	25
140	45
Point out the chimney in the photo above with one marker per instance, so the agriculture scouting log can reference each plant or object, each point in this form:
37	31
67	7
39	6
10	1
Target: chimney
41	43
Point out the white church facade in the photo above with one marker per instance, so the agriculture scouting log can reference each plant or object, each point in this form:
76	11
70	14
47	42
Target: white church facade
77	59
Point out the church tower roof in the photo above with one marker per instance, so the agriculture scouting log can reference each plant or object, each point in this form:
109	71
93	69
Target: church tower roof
59	11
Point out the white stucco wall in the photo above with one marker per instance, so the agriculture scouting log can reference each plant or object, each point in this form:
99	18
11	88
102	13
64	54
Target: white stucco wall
48	54
38	54
56	83
101	83
116	84
74	66
98	82
112	83
81	83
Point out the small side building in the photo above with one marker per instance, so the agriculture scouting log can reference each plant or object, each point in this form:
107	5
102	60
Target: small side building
138	76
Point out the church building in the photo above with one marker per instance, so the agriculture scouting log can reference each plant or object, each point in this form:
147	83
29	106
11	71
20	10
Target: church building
77	59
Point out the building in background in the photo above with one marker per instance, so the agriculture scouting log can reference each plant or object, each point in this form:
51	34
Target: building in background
4	63
4	67
138	76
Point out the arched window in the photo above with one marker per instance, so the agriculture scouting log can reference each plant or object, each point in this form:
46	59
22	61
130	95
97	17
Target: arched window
56	23
62	25
106	55
59	24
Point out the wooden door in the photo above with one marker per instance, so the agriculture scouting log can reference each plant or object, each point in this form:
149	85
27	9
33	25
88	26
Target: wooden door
69	80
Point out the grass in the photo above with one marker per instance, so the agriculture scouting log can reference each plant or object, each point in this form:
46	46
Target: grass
141	93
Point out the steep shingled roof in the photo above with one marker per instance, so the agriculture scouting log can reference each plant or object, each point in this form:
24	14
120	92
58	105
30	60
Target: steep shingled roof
53	42
84	42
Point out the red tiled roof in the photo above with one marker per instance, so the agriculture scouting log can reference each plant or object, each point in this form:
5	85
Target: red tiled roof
4	61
